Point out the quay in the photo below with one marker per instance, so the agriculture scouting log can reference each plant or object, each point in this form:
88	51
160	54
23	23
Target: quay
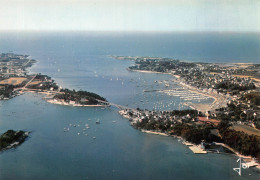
195	149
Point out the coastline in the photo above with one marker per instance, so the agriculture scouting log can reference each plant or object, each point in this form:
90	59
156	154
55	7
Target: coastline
50	94
196	149
154	132
145	71
197	106
190	88
217	100
54	101
23	79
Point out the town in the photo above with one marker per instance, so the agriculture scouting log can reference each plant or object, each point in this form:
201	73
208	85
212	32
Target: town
236	85
233	117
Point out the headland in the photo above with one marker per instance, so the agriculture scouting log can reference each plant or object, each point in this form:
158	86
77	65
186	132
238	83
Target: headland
235	90
15	80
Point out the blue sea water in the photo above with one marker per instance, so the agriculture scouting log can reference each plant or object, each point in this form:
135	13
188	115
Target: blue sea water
81	61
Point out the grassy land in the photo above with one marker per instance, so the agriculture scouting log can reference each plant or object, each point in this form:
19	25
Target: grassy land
13	81
246	129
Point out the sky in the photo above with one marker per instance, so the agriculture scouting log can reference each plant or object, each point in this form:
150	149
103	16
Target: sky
130	15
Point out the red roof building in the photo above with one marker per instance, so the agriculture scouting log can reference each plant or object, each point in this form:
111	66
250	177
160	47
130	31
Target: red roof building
208	121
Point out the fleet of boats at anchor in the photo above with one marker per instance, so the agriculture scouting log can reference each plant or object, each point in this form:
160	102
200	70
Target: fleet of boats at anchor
186	95
85	127
169	88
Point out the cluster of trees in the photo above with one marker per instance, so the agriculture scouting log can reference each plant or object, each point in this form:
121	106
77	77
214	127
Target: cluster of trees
234	87
7	91
44	86
240	141
81	97
190	132
161	65
41	77
151	124
90	94
191	112
10	137
194	133
162	122
253	97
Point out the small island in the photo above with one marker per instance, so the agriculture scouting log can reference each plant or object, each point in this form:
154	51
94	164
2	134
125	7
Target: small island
11	139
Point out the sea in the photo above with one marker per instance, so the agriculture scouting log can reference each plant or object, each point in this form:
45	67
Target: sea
112	149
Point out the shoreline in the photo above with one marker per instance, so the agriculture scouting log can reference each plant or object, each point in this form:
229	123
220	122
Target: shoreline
191	89
146	71
50	94
198	150
195	149
52	101
154	132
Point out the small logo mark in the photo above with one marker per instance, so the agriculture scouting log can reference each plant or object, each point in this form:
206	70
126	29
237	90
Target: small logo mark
243	165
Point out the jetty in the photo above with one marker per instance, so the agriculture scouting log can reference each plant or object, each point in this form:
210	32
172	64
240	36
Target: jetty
197	150
194	148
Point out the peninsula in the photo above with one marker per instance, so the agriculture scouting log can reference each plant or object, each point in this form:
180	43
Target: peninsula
232	120
15	80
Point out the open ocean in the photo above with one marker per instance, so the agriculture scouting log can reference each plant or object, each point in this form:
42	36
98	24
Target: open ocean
81	61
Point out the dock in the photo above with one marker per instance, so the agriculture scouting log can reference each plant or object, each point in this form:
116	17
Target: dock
197	150
188	144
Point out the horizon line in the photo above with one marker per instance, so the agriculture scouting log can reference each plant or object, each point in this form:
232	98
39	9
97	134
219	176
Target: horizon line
129	31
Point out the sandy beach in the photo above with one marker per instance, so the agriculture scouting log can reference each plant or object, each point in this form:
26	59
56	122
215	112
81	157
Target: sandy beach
219	101
154	132
144	71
